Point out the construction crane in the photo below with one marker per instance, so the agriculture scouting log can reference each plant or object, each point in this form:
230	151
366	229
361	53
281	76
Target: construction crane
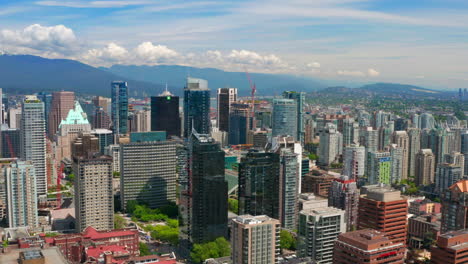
253	91
10	146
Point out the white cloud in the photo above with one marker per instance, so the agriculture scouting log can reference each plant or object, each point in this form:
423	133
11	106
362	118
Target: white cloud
253	58
351	73
372	73
313	65
150	53
112	53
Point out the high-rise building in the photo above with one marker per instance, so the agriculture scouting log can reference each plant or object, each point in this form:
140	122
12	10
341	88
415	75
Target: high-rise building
208	189
385	134
368	246
105	138
370	139
101	102
259	184
402	140
299	97
239	123
119	107
255	239
165	114
14	118
94	200
114	151
101	119
20	180
379	167
414	136
62	103
455	207
344	194
148	173
396	154
446	175
11	143
424	167
226	96
141	121
289	185
426	121
331	145
451	248
318	229
354	161
33	139
384	209
284	120
350	132
196	107
46	98
456	158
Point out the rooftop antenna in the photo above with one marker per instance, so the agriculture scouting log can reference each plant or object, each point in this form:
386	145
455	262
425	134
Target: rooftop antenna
166	86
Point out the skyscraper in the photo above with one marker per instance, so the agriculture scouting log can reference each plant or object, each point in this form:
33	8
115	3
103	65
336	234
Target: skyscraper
464	146
384	209
414	136
62	103
299	97
148	173
396	154
446	175
350	132
379	167
354	161
259	184
208	189
119	107
94	200
317	230
284	121
402	140
239	123
196	107
331	145
46	98
33	139
165	114
426	121
424	167
255	239
289	186
20	180
226	96
344	194
101	119
454	202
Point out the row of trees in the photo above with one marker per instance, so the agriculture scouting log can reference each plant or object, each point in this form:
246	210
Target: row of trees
215	249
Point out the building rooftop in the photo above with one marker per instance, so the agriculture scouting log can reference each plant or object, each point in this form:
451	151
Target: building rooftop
76	116
252	220
381	193
367	239
462	186
321	211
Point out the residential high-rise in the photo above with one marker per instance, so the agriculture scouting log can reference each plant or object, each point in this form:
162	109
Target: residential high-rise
451	248
208	189
33	139
105	138
350	132
384	209
424	167
414	136
119	107
196	107
226	96
354	158
464	147
396	154
11	143
165	114
426	121
289	183
94	200
239	123
455	207
317	230
284	120
141	121
385	134
21	196
255	239
370	139
344	194
446	175
368	246
259	184
62	103
101	102
101	119
148	173
14	118
379	167
456	158
331	145
402	140
299	97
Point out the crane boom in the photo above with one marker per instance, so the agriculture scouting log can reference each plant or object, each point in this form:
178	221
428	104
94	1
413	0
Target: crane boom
253	91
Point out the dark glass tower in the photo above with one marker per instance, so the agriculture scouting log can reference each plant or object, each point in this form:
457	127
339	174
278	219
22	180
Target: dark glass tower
208	190
239	123
165	114
119	109
196	107
259	184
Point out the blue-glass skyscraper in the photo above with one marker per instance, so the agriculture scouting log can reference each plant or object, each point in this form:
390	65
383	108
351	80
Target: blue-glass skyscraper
299	97
284	118
46	98
119	109
196	107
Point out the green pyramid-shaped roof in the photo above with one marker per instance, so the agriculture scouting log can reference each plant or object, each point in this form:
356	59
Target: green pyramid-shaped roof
76	116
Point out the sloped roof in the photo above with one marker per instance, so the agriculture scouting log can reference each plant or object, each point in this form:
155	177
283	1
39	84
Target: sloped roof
76	116
462	186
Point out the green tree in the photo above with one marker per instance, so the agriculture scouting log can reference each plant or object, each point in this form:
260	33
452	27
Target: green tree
131	206
119	222
287	240
313	156
71	177
144	249
233	205
218	248
116	174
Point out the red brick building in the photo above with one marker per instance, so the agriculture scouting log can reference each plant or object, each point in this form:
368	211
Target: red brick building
384	209
367	246
451	248
422	207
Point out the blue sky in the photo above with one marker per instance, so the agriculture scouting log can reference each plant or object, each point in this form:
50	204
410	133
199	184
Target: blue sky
423	42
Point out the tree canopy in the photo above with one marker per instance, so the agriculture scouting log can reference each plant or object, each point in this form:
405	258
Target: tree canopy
218	248
287	240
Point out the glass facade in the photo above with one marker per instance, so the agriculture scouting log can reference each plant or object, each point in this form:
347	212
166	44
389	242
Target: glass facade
284	118
165	114
119	107
196	107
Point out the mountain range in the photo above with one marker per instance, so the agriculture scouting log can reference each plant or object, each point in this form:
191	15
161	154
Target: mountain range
22	74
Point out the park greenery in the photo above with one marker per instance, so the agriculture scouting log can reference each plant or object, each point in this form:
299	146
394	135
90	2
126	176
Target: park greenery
233	205
287	240
119	222
143	213
168	232
144	249
218	248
